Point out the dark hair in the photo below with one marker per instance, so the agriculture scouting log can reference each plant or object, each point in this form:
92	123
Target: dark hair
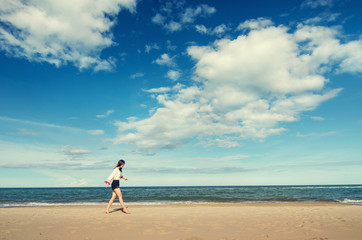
120	163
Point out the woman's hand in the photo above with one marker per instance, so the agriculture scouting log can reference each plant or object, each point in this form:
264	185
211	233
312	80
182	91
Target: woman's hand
107	183
126	179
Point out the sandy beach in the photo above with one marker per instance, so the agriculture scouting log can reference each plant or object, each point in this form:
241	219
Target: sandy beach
279	221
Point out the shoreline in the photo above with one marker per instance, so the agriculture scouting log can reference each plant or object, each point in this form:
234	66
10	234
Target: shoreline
186	203
276	221
170	204
161	204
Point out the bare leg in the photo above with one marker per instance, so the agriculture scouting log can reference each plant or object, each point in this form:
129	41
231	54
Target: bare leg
119	194
110	202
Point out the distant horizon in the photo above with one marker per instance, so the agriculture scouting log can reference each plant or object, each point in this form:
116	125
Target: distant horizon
297	185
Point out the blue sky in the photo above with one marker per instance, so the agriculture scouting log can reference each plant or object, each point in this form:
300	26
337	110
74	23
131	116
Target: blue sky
187	92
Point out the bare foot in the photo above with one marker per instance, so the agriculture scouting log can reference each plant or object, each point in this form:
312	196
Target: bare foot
125	211
106	211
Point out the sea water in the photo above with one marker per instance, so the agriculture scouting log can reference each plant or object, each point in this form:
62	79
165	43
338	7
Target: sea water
347	194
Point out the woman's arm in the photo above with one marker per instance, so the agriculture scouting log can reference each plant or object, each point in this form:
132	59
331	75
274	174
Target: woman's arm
110	178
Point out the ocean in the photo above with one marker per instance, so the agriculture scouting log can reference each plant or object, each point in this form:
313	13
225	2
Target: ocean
344	194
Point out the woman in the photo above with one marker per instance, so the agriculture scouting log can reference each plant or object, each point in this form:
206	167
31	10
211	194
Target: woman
116	175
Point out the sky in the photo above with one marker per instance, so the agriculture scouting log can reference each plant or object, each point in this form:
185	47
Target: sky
188	93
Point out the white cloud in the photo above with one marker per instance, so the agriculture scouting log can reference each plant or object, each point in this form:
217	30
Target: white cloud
67	165
60	32
149	47
191	13
137	75
173	26
158	19
158	90
22	155
96	132
201	29
317	3
165	60
175	88
168	128
173	75
74	151
218	30
255	24
224	143
247	87
327	48
47	158
186	16
324	17
109	112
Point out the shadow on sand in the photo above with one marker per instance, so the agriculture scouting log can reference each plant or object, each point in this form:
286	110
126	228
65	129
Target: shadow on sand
118	210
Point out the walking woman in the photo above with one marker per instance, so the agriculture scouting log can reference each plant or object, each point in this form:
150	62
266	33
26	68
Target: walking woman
116	176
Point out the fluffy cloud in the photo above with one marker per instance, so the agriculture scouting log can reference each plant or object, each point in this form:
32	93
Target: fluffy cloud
259	23
173	26
247	87
186	16
173	75
158	19
191	13
218	30
60	32
165	60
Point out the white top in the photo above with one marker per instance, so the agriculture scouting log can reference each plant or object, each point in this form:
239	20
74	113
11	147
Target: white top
115	175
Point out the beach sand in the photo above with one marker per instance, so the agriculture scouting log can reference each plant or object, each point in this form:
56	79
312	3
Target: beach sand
278	221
